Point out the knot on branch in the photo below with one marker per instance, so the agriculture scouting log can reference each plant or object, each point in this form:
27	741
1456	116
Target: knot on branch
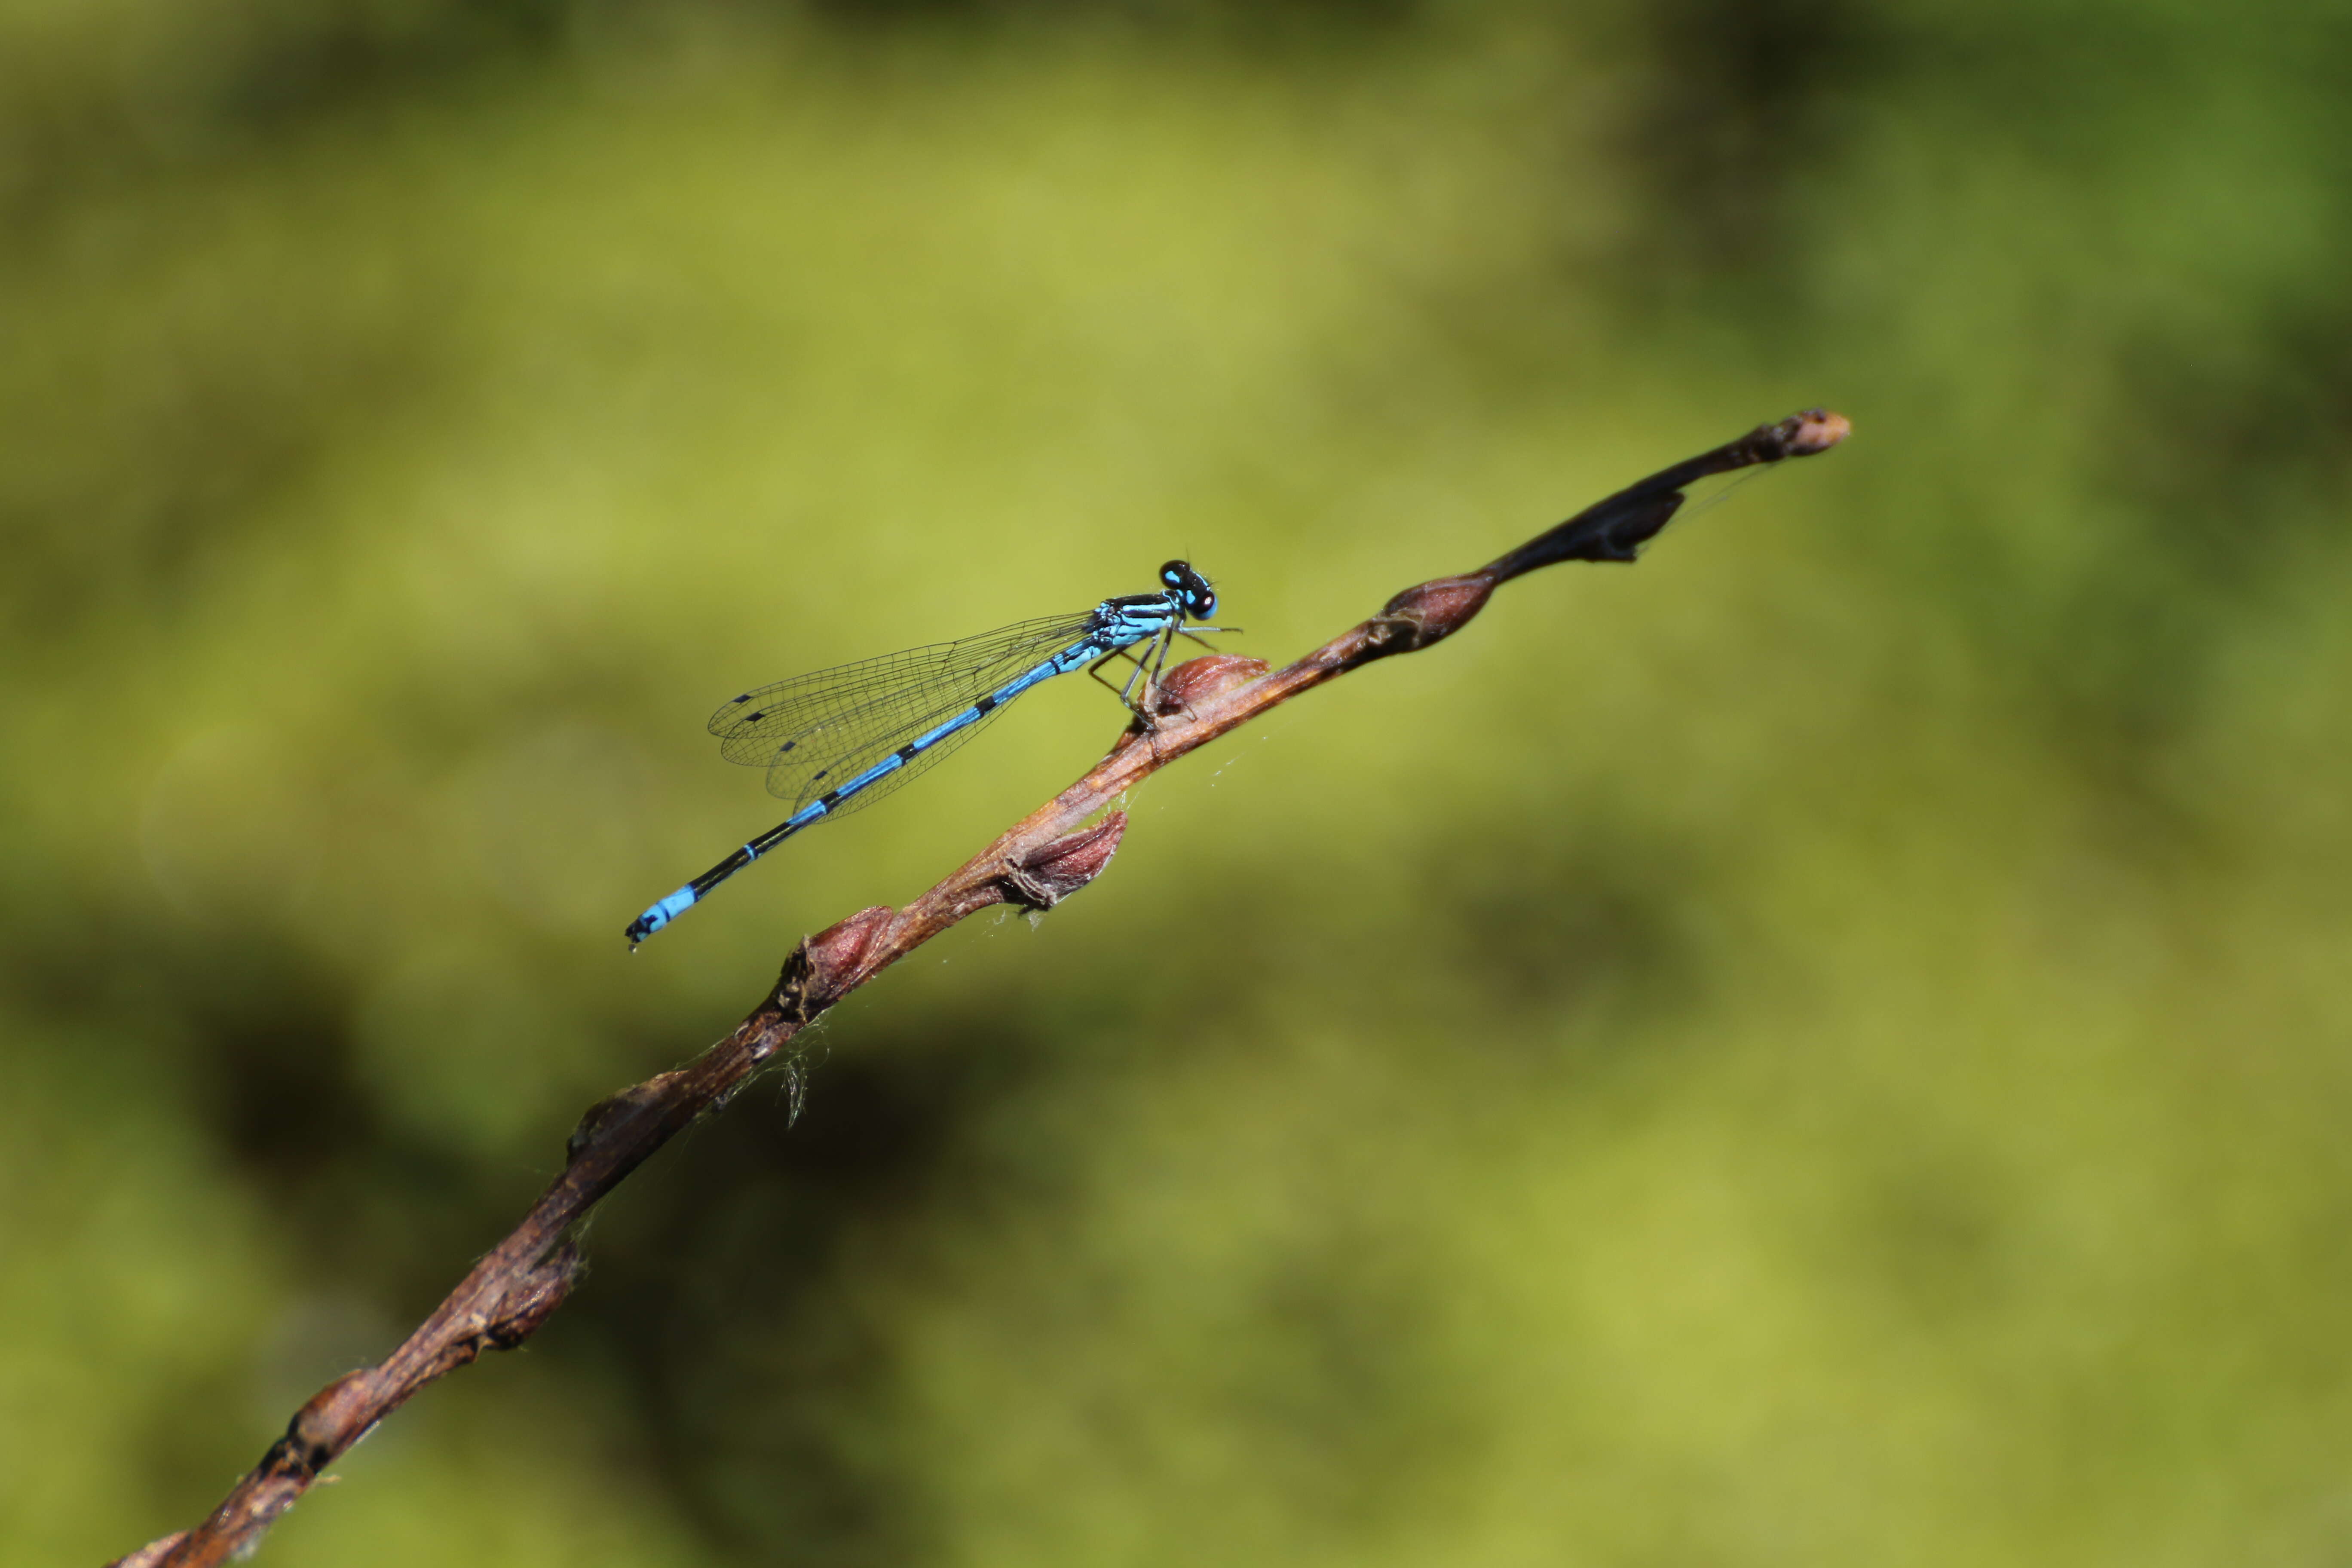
531	1298
614	1111
1053	872
819	973
510	1311
1426	612
1194	681
1199	679
331	1422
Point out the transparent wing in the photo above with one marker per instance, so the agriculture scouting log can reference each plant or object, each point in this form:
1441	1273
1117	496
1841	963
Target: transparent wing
802	788
816	731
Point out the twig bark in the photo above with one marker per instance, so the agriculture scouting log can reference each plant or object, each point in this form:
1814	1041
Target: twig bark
1042	859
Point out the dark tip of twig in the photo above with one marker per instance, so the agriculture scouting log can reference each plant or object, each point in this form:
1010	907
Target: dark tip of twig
1615	529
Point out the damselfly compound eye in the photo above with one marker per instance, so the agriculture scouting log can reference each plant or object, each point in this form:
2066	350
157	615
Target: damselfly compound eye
1192	590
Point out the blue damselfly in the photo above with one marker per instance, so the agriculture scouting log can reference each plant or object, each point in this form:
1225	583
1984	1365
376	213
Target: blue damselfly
843	738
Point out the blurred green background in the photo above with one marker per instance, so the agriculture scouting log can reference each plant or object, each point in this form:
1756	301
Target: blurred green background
1829	1047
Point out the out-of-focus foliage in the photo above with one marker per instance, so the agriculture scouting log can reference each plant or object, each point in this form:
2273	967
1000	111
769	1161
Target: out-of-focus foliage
1829	1047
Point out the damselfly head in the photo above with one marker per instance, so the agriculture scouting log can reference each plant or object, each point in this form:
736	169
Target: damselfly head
1192	589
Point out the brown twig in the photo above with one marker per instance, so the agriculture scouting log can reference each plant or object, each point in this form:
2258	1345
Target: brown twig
1043	859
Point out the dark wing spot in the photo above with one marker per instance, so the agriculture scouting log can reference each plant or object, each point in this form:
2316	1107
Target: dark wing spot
787	746
745	697
753	718
818	774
